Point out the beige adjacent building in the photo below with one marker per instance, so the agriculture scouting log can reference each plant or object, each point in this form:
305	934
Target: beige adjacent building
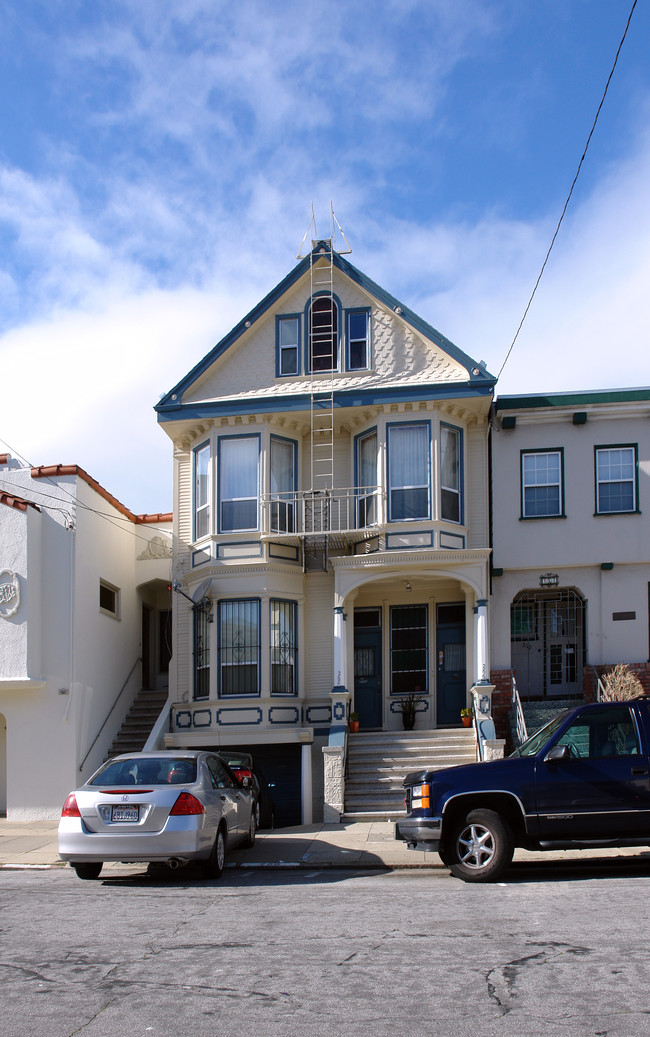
571	540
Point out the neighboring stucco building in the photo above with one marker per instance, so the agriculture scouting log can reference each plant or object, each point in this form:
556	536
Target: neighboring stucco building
84	595
331	526
571	539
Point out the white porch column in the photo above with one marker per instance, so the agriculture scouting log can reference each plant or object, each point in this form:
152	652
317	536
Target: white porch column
340	654
481	642
306	784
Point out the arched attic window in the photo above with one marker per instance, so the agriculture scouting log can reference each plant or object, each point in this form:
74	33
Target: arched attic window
323	334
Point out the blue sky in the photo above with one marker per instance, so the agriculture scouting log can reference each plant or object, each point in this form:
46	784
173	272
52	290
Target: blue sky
158	160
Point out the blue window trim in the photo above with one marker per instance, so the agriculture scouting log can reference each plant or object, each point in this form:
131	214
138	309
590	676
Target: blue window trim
243	435
461	473
347	314
287	316
402	424
337	303
280	694
294	444
248	694
195	453
617	446
541	450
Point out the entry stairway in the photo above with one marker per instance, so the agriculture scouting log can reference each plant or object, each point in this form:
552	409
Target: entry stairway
139	721
378	762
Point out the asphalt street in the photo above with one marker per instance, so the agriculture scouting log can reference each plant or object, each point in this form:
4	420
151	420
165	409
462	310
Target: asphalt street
556	948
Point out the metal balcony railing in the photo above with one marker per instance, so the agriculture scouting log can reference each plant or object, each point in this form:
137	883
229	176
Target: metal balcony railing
315	512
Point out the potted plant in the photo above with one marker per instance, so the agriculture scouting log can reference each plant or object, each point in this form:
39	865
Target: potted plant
408	708
354	722
466	717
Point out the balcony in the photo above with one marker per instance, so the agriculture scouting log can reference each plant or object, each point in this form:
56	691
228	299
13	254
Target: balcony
344	516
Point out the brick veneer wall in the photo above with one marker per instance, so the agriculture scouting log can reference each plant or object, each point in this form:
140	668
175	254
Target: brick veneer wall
590	686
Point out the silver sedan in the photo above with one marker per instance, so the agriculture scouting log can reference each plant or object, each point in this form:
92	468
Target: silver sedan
166	807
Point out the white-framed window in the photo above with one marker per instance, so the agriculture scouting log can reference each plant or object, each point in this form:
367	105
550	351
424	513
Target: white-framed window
542	484
201	491
616	479
284	652
451	476
109	599
367	483
283	484
358	339
239	647
409	471
288	345
239	480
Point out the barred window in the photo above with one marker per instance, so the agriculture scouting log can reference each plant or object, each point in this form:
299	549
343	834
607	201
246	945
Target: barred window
239	647
283	648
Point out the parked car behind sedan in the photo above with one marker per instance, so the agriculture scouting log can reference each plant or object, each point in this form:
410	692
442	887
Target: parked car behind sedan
244	766
166	807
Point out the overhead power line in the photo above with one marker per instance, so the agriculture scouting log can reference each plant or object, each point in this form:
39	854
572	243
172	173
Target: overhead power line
566	204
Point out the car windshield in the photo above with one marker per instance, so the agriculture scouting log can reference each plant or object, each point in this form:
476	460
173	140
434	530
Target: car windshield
533	744
149	771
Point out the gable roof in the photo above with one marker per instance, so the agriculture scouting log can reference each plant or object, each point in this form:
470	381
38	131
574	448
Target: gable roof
479	381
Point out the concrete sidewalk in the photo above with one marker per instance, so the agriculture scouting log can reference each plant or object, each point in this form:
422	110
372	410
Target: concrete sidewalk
358	845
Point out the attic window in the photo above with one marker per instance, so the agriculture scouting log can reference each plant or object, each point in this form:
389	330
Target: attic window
323	334
287	345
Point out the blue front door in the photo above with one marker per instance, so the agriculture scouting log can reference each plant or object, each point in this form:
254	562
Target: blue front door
367	668
451	687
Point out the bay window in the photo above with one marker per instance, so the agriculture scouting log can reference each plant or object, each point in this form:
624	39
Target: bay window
283	648
239	647
450	474
238	483
409	471
201	491
283	484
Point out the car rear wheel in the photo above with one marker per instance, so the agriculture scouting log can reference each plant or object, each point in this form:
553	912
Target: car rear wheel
481	847
89	870
212	868
252	829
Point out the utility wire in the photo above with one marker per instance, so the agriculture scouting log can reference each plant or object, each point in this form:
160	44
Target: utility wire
566	204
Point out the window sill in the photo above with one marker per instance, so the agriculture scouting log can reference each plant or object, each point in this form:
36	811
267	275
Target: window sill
535	518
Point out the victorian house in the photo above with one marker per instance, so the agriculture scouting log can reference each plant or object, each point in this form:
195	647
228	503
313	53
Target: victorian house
331	530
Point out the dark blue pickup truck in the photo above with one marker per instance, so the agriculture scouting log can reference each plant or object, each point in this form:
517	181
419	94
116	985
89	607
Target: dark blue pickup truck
582	781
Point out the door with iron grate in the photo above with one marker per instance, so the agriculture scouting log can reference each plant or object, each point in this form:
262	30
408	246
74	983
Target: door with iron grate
547	642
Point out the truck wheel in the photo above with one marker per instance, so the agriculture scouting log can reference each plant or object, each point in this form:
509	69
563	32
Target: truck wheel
481	847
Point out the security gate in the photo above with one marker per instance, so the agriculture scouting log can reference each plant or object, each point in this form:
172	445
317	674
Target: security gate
547	642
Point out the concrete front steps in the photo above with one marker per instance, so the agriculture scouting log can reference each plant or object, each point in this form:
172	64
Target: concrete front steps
139	721
379	761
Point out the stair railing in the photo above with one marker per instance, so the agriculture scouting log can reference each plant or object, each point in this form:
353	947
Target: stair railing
117	699
520	721
600	687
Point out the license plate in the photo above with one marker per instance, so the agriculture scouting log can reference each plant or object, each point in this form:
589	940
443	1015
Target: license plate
124	814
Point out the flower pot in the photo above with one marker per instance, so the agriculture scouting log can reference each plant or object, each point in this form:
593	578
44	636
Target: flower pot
354	726
467	721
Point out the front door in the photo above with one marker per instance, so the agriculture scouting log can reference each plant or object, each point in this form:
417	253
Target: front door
451	687
367	667
563	662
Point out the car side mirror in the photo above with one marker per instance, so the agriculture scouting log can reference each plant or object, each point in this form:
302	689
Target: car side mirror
558	752
245	782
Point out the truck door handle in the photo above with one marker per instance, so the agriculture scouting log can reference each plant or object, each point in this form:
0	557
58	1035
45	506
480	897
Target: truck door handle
639	770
